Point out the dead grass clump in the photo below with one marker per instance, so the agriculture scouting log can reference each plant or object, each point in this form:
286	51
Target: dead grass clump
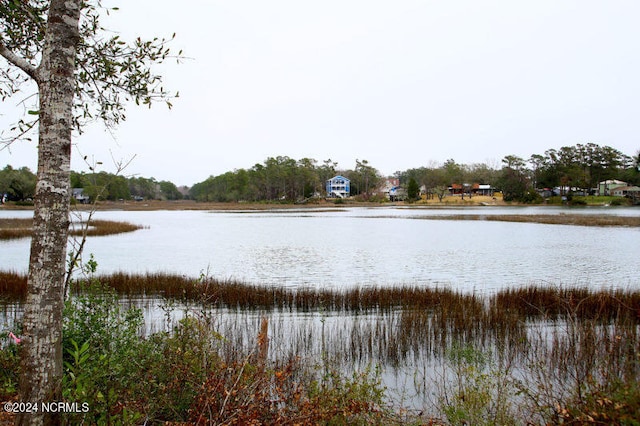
15	228
106	227
22	228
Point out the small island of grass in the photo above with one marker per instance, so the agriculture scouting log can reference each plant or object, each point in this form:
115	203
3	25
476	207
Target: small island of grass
21	228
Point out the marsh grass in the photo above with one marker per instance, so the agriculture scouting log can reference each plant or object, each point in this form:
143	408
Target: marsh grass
22	228
13	286
554	351
468	312
394	325
549	219
15	228
106	227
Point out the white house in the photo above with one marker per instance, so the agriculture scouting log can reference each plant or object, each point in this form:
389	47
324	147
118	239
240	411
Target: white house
338	187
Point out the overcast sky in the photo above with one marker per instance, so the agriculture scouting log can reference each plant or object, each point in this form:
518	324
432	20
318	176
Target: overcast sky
401	84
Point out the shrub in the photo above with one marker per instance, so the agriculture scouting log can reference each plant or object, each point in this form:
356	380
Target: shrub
620	201
246	393
619	404
578	201
531	197
101	352
478	393
9	371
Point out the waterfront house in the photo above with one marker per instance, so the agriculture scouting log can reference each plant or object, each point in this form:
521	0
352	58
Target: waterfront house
79	195
338	187
482	189
606	187
387	187
626	191
456	189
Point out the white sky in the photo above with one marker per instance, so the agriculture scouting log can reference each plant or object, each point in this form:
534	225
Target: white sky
399	83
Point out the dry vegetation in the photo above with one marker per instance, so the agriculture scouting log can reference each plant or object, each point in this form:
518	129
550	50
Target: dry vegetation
21	228
550	219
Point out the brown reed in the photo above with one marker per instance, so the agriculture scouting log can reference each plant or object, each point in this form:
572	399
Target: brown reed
468	313
15	228
13	286
106	227
22	228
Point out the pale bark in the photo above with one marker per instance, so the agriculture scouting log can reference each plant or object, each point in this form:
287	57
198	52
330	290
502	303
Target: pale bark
17	61
42	343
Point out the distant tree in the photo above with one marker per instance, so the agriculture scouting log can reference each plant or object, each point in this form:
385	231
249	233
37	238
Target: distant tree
413	190
169	191
364	179
101	185
481	173
325	172
18	184
307	177
453	172
631	173
77	180
439	182
82	73
537	162
514	181
147	188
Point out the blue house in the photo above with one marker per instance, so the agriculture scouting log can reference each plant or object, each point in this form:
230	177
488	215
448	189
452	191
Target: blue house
338	187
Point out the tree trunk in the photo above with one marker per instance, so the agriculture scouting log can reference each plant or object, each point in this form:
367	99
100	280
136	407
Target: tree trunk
41	355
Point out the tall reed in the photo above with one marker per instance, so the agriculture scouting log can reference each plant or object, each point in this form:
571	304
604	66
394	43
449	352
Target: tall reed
13	286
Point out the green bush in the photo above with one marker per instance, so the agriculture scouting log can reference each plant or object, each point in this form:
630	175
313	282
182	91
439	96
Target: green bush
101	354
620	201
479	393
578	201
531	197
9	371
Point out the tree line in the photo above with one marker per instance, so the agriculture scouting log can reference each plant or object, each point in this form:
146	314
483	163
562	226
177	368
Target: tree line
282	178
20	185
571	168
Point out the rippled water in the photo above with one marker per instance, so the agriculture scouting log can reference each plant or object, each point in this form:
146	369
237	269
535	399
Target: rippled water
365	246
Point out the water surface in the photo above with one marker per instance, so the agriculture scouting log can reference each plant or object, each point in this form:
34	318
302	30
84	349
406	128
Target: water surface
346	247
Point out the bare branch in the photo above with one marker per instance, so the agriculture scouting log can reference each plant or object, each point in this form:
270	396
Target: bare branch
19	62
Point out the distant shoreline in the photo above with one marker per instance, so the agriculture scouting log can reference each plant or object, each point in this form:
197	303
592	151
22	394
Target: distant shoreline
202	205
597	220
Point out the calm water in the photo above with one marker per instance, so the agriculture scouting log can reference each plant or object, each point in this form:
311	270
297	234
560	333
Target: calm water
365	246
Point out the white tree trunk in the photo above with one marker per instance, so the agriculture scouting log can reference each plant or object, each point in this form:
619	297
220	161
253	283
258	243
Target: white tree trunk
42	344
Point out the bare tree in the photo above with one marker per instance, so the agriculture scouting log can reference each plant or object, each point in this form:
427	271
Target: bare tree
80	77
